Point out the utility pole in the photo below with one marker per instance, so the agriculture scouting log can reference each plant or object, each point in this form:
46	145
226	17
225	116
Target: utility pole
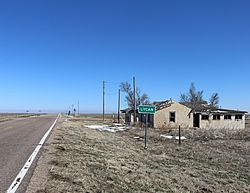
134	100
119	96
78	109
103	101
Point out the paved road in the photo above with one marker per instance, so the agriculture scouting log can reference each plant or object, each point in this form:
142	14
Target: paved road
18	139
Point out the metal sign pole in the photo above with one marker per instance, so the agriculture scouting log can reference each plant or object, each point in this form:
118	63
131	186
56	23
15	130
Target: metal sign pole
145	147
146	110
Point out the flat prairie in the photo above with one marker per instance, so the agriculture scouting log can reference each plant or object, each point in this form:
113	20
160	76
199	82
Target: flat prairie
11	116
99	117
79	159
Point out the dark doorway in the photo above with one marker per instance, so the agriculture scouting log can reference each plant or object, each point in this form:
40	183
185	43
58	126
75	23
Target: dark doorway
150	121
197	120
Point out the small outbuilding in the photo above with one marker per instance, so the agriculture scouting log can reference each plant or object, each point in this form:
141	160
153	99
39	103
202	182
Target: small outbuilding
171	114
207	116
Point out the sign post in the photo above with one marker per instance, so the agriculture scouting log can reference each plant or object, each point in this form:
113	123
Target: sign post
146	109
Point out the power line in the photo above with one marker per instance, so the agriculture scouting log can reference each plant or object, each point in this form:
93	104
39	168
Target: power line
107	93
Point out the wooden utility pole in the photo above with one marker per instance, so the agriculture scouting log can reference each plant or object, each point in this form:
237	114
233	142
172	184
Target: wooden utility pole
134	100
119	97
78	109
103	99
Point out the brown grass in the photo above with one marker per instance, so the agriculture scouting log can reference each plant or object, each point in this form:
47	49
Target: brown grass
11	116
97	117
86	160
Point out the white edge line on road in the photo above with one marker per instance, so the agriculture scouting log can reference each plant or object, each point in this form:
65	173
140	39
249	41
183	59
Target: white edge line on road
15	184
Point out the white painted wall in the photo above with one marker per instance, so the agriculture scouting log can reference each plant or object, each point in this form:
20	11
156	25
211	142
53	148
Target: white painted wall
223	124
182	118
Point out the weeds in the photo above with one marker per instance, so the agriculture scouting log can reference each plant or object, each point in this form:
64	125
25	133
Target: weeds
87	160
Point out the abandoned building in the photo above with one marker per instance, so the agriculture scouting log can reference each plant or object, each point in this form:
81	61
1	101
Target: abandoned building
129	117
171	114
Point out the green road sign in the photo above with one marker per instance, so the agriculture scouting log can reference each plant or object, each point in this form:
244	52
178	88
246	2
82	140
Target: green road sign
146	109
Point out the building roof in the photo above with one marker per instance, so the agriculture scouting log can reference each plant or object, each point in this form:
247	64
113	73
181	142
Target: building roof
198	108
162	104
231	111
206	108
128	110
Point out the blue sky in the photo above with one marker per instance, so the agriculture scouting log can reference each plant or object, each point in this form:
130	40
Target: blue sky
56	52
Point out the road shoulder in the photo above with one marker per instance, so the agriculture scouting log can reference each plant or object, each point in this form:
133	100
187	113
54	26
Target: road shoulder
41	173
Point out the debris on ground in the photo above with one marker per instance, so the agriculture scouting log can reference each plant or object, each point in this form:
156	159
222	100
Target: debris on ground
171	137
112	129
167	136
182	137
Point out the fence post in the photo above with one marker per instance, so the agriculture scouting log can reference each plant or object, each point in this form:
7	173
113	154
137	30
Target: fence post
179	134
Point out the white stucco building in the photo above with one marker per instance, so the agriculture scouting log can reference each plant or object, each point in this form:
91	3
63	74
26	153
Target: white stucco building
171	114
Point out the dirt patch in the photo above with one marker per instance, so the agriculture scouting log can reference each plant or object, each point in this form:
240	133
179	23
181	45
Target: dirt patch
88	160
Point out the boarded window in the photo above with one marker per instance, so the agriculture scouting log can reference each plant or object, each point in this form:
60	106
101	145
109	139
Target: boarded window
216	117
227	117
172	117
204	117
238	117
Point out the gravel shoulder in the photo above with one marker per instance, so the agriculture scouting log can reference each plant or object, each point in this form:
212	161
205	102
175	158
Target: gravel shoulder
79	159
41	173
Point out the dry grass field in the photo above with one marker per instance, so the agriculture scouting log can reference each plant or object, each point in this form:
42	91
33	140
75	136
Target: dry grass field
11	116
88	160
99	117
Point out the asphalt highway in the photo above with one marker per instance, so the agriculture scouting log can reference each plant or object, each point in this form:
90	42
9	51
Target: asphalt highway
18	139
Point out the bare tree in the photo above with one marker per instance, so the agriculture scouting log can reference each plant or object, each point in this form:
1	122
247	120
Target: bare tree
214	100
141	99
192	96
195	98
184	98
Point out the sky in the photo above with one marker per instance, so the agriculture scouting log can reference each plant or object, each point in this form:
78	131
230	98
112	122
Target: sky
54	53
